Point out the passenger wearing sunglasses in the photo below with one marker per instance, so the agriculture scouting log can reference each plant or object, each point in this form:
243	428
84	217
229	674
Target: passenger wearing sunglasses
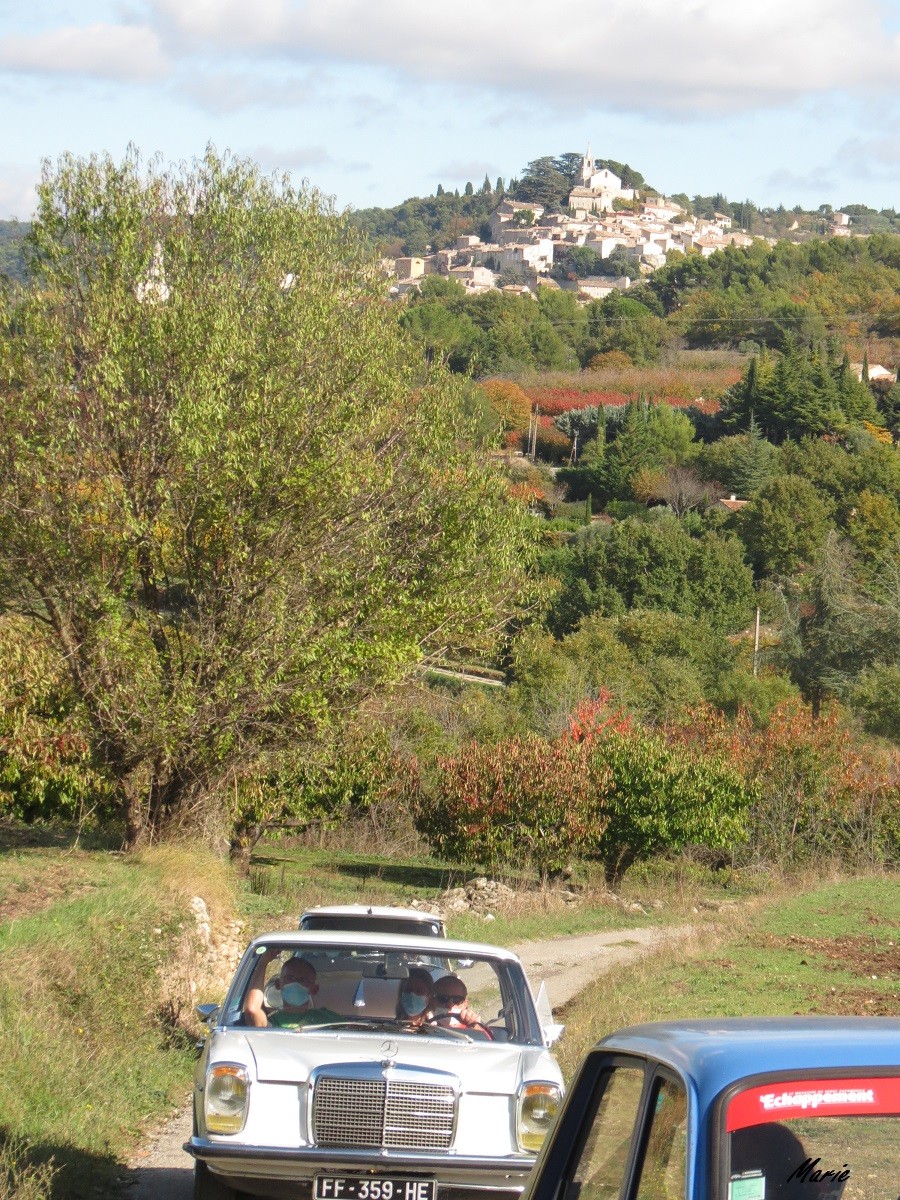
452	1009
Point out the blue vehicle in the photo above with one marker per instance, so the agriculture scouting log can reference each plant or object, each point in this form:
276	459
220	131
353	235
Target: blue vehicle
795	1108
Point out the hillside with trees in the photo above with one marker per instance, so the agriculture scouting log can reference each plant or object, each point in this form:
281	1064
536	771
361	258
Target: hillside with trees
588	597
228	568
12	257
432	221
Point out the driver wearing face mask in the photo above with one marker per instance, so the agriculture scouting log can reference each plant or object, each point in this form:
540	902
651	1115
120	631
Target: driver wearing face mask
415	997
296	986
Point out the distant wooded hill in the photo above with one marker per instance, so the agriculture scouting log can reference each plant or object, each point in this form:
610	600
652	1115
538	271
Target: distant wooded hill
12	261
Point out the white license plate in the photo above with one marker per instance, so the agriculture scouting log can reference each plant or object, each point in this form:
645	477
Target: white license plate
351	1187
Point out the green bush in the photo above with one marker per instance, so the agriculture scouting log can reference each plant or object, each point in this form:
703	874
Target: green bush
660	797
47	771
877	697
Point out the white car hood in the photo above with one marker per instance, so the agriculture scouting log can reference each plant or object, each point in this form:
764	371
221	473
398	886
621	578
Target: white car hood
284	1056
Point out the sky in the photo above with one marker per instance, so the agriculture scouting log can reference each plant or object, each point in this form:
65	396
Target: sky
776	101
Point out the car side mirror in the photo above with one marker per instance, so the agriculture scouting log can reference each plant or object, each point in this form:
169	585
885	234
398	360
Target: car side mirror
549	1028
208	1013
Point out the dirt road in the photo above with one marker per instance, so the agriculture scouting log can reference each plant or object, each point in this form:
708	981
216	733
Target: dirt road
164	1172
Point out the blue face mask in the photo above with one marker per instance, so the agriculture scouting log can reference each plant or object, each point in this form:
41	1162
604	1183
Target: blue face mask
413	1004
295	995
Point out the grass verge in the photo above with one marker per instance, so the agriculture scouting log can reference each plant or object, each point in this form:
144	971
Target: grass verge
833	949
285	879
90	1053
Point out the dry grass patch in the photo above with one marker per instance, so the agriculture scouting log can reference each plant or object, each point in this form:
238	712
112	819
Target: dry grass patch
629	996
758	963
92	986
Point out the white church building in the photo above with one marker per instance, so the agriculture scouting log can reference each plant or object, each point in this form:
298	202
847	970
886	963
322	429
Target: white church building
598	189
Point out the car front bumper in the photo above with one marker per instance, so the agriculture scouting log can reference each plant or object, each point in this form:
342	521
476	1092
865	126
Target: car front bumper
245	1167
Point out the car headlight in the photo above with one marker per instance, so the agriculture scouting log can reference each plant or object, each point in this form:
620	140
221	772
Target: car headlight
538	1105
225	1098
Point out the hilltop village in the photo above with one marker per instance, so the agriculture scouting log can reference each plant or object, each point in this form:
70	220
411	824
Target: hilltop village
601	216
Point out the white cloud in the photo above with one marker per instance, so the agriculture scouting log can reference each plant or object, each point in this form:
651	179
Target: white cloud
858	160
817	181
467	170
102	51
224	22
299	159
221	92
295	158
18	197
704	56
871	158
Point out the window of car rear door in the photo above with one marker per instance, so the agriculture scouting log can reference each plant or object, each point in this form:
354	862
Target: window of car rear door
636	1145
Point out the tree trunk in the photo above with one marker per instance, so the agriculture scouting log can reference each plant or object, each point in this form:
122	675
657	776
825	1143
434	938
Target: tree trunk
135	818
615	864
151	803
243	838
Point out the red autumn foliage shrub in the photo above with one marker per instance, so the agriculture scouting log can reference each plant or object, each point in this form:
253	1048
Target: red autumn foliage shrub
615	791
821	789
522	799
606	790
527	493
594	718
509	402
553	402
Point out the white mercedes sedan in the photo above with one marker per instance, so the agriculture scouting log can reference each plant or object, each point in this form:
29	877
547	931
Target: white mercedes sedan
364	1066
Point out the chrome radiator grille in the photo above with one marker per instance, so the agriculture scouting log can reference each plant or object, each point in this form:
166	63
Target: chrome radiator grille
383	1113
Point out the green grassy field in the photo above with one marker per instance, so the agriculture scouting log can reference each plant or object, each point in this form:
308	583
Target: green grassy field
833	949
286	879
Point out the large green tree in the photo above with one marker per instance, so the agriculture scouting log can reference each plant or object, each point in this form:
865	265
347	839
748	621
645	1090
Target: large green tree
656	565
841	633
784	525
231	490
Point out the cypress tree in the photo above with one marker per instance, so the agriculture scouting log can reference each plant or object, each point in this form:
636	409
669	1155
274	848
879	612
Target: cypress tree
632	449
754	462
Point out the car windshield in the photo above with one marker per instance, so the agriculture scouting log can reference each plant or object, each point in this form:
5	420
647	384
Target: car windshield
321	988
822	1139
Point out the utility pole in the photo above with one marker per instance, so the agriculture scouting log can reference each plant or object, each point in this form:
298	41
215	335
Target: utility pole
532	434
756	643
